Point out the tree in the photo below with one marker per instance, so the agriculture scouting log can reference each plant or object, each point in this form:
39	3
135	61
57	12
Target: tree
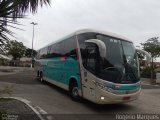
140	56
10	10
152	46
16	49
29	51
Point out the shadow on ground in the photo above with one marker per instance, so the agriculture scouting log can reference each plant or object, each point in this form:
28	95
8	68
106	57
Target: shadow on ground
99	109
28	77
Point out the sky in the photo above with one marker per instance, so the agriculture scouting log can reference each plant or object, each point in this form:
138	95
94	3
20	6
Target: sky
137	20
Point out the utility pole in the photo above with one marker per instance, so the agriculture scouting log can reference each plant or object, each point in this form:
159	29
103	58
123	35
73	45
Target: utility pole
33	23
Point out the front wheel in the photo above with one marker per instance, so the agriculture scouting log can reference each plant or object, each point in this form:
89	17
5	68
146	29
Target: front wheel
74	92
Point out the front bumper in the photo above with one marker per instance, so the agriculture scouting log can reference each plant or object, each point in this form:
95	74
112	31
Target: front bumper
111	98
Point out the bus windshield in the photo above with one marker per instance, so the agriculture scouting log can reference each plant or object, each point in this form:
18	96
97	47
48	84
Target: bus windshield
120	64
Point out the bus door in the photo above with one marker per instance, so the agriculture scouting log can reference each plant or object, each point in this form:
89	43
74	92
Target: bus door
90	66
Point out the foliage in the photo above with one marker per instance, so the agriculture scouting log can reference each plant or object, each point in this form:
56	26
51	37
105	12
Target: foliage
29	52
7	19
6	90
10	10
157	70
140	56
16	49
2	112
6	11
146	72
152	46
16	8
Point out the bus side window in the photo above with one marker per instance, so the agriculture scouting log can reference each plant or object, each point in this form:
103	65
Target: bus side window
56	50
70	48
43	53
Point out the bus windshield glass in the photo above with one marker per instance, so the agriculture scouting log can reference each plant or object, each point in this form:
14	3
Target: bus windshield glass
120	64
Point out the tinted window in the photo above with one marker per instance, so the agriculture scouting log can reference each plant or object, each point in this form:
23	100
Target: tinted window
114	50
65	48
49	49
43	53
85	36
90	57
56	50
70	48
120	63
81	39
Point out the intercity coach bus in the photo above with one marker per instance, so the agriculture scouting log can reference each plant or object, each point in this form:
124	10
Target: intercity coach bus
98	66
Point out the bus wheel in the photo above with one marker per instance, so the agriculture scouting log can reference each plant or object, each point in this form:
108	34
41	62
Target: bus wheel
41	77
74	93
37	74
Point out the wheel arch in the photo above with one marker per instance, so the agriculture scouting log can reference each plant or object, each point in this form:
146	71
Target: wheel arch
40	73
74	79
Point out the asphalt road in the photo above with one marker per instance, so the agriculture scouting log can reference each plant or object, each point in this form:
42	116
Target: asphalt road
54	100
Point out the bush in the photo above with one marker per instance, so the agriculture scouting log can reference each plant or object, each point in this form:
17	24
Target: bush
146	73
2	112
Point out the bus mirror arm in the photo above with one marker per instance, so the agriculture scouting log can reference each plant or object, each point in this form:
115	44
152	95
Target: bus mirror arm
101	45
148	56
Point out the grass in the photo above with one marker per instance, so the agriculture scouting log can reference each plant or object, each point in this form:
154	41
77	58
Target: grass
2	112
6	90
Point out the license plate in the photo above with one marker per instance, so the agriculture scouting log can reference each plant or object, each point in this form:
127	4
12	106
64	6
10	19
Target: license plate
126	98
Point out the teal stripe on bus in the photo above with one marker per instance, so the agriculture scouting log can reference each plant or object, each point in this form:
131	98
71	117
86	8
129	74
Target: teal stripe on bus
123	86
61	69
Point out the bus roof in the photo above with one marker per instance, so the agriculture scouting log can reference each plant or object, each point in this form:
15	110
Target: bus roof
86	31
103	32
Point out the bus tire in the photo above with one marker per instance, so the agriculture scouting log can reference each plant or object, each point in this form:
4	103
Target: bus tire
38	74
73	90
41	77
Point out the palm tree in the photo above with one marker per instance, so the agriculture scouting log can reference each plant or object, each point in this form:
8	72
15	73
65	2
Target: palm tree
10	10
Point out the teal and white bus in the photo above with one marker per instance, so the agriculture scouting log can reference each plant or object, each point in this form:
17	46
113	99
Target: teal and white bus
98	66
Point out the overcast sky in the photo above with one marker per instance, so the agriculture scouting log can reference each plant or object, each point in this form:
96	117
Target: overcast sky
135	19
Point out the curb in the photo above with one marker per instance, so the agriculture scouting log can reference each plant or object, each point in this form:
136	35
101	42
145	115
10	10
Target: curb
28	103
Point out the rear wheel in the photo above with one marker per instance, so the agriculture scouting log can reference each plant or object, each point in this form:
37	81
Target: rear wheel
38	74
41	77
74	91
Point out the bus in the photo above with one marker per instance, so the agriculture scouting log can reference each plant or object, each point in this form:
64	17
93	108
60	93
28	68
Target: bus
99	66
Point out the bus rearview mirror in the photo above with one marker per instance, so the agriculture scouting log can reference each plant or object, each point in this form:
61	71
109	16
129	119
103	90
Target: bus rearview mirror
148	56
101	45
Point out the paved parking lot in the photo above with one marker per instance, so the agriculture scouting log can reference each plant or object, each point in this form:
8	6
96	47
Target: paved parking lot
54	100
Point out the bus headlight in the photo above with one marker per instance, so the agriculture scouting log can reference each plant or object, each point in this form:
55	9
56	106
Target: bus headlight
102	98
